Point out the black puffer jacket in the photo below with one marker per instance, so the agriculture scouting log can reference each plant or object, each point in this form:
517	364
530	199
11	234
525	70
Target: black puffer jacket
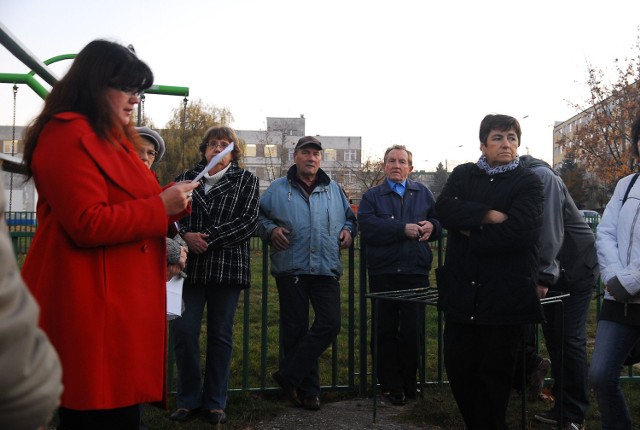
489	277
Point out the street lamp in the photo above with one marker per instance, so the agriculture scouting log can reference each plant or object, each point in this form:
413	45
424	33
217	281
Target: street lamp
446	161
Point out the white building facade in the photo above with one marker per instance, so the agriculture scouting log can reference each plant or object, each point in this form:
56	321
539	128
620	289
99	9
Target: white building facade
269	153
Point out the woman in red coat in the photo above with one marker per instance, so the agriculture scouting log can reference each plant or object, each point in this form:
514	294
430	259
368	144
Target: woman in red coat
97	262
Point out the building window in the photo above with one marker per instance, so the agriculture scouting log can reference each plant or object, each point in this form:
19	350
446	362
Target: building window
349	178
250	150
329	155
271	151
6	146
291	151
349	155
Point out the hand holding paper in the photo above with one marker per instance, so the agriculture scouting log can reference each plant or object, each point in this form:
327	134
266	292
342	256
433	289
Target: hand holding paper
215	160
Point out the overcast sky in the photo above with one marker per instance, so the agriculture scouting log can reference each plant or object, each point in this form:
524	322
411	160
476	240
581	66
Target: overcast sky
410	72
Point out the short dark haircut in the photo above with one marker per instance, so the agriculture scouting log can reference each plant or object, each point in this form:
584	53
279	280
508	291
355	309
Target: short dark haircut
498	122
635	135
219	133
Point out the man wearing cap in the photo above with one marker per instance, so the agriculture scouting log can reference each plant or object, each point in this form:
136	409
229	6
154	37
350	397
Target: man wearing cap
307	219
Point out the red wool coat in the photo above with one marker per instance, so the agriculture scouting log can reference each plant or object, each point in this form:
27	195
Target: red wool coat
97	266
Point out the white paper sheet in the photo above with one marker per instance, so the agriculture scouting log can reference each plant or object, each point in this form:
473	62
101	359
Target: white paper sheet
174	297
215	160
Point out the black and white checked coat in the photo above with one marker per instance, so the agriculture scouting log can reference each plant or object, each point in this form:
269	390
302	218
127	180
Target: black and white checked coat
228	213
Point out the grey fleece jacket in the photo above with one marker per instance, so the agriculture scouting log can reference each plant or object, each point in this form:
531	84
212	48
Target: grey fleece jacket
568	258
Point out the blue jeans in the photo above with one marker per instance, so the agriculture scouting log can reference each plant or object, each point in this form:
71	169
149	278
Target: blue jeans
221	302
303	345
573	314
613	343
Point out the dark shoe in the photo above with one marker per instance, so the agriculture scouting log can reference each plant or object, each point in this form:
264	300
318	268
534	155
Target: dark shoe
412	393
311	403
536	379
397	398
182	414
217	417
547	417
289	389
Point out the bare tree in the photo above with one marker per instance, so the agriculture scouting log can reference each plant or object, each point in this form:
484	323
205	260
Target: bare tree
573	176
367	175
275	153
183	134
440	178
600	140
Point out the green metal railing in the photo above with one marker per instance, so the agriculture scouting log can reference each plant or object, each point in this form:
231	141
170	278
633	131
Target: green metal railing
22	227
257	313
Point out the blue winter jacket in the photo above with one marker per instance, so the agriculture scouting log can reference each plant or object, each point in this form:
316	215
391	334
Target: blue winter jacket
314	225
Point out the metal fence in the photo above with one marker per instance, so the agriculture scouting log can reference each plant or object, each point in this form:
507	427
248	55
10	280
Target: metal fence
22	226
345	366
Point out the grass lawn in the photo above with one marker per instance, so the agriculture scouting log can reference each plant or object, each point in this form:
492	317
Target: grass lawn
436	408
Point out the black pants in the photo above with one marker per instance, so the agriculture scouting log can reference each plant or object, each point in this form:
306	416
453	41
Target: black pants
400	333
127	418
302	344
480	362
572	315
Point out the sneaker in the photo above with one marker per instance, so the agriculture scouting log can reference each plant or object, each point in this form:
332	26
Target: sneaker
536	379
547	417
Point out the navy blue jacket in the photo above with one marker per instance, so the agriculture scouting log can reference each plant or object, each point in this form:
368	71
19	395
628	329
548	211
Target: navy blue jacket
382	217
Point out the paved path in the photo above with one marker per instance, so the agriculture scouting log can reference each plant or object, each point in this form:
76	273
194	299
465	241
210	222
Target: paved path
342	415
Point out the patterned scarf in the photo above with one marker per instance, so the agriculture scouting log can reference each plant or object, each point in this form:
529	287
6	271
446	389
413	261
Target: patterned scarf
483	165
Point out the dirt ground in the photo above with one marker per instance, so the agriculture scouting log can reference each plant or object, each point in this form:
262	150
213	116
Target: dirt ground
342	415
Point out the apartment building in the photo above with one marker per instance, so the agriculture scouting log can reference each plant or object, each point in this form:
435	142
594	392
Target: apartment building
269	153
18	195
565	129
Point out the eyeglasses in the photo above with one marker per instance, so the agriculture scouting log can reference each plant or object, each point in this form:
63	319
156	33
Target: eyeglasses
220	144
131	92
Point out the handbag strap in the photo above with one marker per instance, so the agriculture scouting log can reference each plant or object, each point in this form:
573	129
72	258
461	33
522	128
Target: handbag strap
633	181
